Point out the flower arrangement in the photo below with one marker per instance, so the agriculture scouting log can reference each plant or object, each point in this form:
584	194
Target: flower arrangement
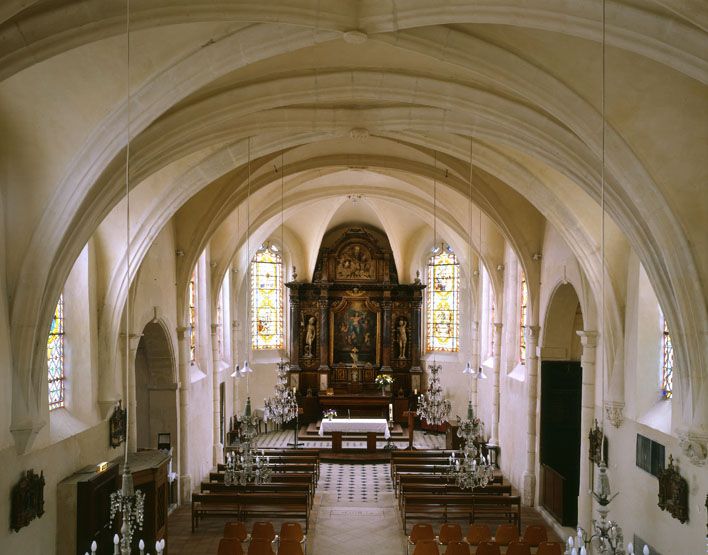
329	414
383	379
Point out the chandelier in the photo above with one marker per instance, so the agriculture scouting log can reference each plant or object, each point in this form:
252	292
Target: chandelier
282	407
247	466
248	423
472	469
432	406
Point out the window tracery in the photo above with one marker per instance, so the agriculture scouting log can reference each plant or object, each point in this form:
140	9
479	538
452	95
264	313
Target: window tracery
193	317
55	357
523	305
667	361
267	299
443	301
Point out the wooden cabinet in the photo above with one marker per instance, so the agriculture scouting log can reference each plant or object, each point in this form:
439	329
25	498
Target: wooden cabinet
149	470
84	503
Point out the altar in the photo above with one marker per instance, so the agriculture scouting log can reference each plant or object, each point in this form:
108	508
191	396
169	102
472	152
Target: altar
339	426
359	405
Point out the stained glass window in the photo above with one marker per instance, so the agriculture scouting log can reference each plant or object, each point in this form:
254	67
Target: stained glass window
55	357
219	322
443	301
193	317
523	302
667	362
267	299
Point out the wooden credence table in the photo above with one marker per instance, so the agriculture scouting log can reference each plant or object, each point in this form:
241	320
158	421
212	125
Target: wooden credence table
370	426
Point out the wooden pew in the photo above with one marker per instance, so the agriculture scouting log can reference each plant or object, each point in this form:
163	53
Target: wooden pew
263	504
471	505
423	477
451	488
277	487
288	459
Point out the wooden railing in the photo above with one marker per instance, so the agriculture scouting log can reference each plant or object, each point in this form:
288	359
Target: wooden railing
552	492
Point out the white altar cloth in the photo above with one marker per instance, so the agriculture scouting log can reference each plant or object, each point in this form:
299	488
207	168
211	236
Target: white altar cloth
355	425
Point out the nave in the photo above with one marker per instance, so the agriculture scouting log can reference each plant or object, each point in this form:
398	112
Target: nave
354	512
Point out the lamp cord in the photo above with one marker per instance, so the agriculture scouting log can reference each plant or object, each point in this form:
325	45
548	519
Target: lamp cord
127	240
602	232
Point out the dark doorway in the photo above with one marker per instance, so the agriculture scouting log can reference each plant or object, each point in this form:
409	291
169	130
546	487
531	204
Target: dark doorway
561	383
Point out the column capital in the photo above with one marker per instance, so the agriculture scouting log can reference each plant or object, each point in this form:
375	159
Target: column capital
531	333
614	410
588	338
214	329
180	332
498	326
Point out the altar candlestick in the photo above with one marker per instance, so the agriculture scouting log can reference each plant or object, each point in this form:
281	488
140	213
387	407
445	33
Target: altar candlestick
390	412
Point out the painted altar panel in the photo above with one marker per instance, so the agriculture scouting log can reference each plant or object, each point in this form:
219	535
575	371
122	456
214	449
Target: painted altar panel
355	332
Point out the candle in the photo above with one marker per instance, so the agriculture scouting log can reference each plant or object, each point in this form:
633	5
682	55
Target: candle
390	411
415	391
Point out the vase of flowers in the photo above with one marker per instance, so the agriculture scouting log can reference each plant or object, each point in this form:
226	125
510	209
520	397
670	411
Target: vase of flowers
329	414
383	381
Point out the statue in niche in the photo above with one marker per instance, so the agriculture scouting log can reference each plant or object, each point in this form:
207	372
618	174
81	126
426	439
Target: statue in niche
402	337
310	336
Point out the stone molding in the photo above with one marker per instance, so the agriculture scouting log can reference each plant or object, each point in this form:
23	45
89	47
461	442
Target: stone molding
694	446
614	410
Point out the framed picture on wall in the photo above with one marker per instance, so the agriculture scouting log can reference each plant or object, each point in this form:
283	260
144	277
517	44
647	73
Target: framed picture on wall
323	382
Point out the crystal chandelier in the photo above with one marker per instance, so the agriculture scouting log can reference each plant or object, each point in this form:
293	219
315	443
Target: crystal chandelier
432	406
282	407
472	469
244	465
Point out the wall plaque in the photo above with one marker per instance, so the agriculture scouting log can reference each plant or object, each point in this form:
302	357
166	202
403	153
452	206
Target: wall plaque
673	492
117	425
27	500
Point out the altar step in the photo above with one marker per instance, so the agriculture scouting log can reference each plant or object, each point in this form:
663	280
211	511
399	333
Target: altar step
312	433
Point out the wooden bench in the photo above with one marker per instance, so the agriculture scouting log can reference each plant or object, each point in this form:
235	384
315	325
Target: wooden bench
276	487
443	478
287	505
446	489
471	505
288	460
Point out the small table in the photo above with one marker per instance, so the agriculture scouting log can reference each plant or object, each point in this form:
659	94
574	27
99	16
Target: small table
369	426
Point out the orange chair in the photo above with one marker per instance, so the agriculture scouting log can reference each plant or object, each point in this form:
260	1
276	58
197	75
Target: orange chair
518	548
488	548
263	530
506	533
236	530
290	547
450	533
229	546
292	531
426	547
420	532
549	548
260	546
478	533
457	548
535	534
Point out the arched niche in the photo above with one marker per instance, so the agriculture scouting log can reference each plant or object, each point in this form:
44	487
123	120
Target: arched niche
564	318
155	387
561	394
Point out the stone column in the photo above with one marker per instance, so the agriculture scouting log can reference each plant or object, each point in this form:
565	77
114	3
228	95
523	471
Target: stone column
529	480
386	333
185	478
588	339
234	337
218	447
475	362
496	362
133	342
323	305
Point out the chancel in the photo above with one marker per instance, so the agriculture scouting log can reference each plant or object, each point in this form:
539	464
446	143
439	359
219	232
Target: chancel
495	338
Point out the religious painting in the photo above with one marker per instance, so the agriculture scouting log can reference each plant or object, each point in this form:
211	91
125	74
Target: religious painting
323	382
354	333
355	263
